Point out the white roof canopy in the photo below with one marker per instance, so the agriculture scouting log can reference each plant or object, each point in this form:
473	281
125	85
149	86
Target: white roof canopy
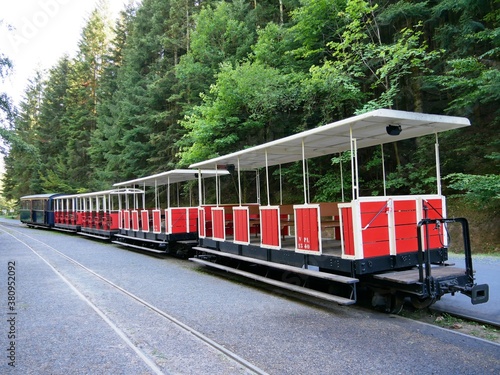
109	192
170	177
368	129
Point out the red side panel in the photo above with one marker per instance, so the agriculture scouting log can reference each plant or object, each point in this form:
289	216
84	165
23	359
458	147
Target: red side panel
405	221
193	219
218	224
167	221
79	218
156	221
270	227
201	223
208	221
135	220
375	228
112	220
347	231
145	220
241	225
433	209
307	229
179	220
105	220
126	219
98	220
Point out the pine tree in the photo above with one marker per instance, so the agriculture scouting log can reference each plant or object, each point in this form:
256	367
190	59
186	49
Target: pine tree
106	141
81	99
53	134
23	162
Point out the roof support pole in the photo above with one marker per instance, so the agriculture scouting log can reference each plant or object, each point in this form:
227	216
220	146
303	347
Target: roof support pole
341	177
257	183
200	191
383	168
281	187
267	181
168	192
144	196
217	181
438	166
354	166
157	200
178	191
239	181
304	171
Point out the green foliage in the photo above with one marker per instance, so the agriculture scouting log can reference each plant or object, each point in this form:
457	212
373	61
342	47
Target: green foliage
23	160
482	189
7	112
411	179
245	107
272	48
364	55
479	189
316	23
334	185
180	81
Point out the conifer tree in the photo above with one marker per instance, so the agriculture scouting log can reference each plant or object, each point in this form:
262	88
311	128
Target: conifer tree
81	99
106	144
23	161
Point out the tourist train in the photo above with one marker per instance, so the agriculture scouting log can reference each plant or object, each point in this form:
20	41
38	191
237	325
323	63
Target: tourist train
392	248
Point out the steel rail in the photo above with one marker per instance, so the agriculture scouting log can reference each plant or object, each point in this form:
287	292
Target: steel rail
209	342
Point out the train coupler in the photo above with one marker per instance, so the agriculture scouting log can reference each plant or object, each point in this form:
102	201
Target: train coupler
478	293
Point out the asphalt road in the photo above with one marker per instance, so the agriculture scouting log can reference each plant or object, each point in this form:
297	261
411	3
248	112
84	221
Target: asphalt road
487	271
58	332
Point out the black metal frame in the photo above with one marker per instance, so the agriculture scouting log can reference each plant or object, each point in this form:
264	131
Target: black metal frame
435	288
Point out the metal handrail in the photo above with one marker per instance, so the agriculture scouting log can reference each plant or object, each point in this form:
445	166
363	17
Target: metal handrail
425	258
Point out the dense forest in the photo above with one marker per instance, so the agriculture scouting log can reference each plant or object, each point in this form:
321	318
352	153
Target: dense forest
171	82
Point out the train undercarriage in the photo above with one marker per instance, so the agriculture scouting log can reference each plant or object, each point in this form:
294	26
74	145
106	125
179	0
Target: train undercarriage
428	278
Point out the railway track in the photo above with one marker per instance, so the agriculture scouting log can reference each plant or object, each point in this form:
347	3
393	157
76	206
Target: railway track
282	336
467	317
470	317
55	259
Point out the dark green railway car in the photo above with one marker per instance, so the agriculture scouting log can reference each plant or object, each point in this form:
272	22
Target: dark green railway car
38	210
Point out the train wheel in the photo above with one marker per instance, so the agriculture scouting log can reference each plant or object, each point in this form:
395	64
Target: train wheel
422	303
395	304
391	303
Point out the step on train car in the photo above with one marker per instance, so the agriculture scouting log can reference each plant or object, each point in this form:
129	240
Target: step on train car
394	246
